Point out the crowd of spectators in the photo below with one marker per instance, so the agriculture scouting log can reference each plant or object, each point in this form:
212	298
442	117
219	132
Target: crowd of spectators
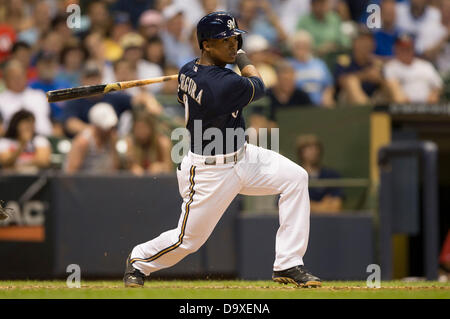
316	53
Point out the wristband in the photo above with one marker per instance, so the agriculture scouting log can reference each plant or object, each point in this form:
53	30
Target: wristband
242	59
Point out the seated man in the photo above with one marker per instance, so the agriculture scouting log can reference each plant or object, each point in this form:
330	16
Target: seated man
359	76
310	153
47	68
410	79
285	93
75	114
19	96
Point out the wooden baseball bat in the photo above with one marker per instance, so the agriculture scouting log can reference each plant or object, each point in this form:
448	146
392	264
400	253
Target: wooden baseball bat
90	90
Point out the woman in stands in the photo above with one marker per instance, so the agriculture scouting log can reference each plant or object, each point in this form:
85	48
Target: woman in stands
148	151
21	150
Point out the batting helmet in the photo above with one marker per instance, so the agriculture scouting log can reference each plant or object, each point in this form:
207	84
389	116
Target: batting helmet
218	25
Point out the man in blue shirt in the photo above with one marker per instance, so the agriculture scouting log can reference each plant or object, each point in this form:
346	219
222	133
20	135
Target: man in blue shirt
47	69
75	113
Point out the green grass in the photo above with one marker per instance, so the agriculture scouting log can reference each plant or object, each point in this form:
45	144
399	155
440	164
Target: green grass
236	289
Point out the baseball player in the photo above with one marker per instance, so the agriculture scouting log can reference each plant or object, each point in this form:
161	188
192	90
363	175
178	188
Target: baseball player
210	178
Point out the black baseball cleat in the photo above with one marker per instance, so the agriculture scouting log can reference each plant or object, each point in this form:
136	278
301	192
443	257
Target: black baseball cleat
298	276
133	277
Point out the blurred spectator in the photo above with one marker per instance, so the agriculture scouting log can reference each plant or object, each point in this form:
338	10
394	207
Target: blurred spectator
385	36
14	14
72	60
124	70
411	79
310	155
285	93
59	25
21	52
148	151
325	27
175	37
289	12
257	48
41	23
359	77
418	18
150	24
19	96
94	148
194	10
134	8
51	41
440	53
121	27
47	68
21	150
133	52
258	17
8	38
75	114
99	17
154	51
170	87
311	73
2	130
95	45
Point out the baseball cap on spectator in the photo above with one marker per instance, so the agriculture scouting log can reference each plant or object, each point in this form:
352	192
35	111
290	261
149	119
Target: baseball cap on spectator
150	18
103	116
132	40
255	43
7	39
405	40
172	11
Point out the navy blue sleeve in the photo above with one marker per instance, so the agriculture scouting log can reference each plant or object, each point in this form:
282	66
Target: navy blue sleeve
73	109
233	92
120	101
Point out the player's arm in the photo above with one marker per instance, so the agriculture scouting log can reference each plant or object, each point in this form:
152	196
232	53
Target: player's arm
245	65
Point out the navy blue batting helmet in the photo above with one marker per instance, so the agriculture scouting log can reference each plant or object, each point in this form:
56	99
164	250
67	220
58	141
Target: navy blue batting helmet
218	25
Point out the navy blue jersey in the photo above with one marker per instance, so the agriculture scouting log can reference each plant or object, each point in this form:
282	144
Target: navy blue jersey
216	96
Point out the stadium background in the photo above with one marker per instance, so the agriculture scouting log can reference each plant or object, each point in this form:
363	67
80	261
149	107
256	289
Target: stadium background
92	218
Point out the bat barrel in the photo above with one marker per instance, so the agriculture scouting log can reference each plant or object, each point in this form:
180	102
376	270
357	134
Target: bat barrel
75	93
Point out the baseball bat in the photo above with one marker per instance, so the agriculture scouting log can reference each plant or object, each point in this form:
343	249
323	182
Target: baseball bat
90	90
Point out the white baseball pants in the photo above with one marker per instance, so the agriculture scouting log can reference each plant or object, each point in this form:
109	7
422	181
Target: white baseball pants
207	191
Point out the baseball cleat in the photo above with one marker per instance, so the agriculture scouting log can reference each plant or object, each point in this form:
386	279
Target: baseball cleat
133	278
298	276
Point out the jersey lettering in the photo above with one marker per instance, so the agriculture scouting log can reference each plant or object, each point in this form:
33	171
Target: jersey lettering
189	86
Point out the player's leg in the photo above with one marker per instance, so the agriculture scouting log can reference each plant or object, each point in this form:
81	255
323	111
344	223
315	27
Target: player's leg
207	191
264	172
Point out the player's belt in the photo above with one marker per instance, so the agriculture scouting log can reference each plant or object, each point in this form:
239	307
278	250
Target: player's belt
226	159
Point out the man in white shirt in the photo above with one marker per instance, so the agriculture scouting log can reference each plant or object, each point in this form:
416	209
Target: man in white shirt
410	79
18	96
418	18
